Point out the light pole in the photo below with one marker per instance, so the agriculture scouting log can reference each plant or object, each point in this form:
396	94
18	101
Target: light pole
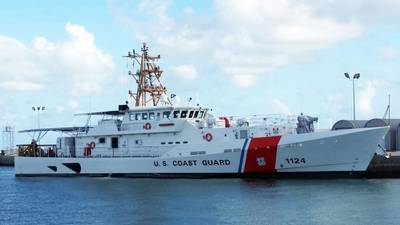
355	76
38	109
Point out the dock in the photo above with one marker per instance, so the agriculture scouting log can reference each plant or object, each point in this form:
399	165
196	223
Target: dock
6	160
382	167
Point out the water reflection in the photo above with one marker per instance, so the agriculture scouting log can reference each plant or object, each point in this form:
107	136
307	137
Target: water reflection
202	201
260	183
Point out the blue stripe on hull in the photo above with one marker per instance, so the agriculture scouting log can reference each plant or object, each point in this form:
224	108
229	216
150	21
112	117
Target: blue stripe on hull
242	155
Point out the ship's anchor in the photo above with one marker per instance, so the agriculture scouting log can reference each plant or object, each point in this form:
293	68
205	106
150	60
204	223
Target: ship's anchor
384	152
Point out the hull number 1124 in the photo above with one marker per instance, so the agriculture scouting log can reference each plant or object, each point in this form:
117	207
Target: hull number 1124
296	160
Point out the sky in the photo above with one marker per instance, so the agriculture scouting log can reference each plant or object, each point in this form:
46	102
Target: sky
236	57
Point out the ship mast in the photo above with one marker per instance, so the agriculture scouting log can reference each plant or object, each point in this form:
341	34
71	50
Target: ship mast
147	77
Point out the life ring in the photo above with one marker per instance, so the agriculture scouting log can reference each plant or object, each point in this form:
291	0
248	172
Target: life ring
92	145
147	126
208	137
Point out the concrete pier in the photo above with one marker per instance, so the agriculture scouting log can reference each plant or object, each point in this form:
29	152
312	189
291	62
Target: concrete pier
6	160
382	167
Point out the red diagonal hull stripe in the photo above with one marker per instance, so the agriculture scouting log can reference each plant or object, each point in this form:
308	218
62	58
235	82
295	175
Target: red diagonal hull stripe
261	155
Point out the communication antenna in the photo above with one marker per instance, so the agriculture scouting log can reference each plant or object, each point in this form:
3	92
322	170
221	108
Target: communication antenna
147	77
8	138
387	112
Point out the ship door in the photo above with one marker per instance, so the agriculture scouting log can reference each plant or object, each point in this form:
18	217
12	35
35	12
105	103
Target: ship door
114	142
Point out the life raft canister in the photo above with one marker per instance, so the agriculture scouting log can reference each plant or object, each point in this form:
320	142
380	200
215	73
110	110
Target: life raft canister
147	126
208	137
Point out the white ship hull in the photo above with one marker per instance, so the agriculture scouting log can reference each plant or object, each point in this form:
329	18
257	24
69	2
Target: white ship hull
337	152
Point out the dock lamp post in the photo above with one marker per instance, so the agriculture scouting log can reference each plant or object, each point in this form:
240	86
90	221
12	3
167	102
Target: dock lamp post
38	109
355	76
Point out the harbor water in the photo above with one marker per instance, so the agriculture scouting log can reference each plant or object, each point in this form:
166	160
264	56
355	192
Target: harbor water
88	200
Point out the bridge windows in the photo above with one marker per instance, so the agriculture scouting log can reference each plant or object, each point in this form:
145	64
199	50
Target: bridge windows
191	114
184	113
176	113
135	116
166	114
201	114
151	116
157	115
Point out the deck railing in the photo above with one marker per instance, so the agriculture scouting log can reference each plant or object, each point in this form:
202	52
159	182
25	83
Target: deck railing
36	150
271	121
9	152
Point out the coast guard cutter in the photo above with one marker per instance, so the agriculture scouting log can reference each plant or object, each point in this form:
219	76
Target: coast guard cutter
157	139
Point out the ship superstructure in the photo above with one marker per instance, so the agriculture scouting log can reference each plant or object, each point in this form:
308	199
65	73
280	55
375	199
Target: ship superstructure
156	138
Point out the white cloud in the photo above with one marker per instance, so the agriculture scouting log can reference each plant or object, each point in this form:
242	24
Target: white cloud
389	53
280	107
60	109
335	103
185	71
244	38
282	22
243	80
364	100
73	104
176	100
20	85
317	32
367	12
77	64
262	35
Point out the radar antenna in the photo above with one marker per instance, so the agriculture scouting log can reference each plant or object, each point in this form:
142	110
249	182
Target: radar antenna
147	77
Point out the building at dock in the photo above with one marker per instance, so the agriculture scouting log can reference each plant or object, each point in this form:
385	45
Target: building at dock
392	138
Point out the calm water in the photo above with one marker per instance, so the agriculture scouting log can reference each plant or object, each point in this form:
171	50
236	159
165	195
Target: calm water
186	201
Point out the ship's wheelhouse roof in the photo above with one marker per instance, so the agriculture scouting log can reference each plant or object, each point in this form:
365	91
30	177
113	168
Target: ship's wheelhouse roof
143	109
156	113
169	112
166	108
